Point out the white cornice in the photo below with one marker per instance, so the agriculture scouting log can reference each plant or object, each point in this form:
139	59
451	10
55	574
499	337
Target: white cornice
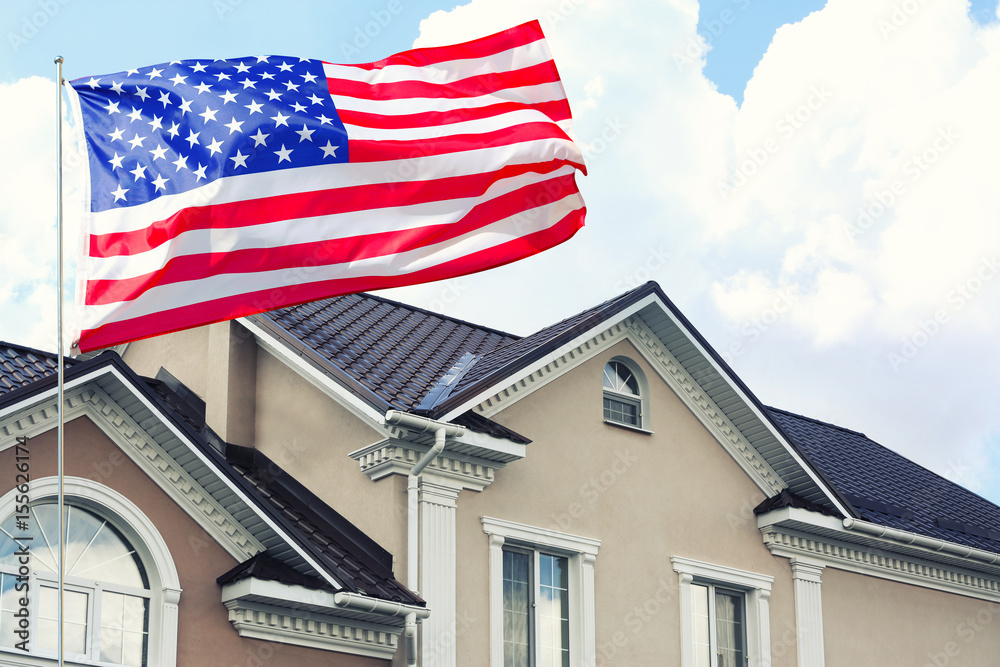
396	456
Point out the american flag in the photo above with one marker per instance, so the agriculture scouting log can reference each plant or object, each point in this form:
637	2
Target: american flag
224	188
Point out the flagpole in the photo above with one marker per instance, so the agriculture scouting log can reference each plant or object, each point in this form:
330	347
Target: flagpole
59	354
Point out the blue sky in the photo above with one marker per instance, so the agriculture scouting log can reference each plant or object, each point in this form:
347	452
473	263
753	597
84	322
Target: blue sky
812	183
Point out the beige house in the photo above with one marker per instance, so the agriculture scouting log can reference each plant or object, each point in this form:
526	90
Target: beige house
355	481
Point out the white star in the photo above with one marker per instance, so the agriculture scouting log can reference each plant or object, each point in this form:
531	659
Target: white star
141	93
248	83
138	172
214	147
119	193
135	114
117	134
262	59
323	120
329	150
156	123
242	68
305	134
309	77
235	125
116	162
154	73
208	114
260	138
280	120
178	79
255	107
200	172
192	138
284	67
315	100
112	108
198	67
292	86
222	75
159	153
185	105
92	83
174	129
131	72
273	95
239	159
228	96
117	87
165	98
298	108
266	75
181	161
203	87
283	154
160	182
136	141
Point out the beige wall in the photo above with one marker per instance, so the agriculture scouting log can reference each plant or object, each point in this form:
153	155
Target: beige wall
184	354
205	636
647	497
871	622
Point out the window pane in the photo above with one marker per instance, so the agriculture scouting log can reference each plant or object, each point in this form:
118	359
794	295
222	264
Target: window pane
8	605
618	377
516	609
111	645
729	628
554	609
74	620
620	411
135	649
110	558
700	626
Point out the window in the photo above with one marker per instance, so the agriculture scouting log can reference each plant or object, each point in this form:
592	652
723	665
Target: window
724	615
623	393
541	596
121	586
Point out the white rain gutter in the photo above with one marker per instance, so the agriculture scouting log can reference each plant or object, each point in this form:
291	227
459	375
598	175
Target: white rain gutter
442	431
915	539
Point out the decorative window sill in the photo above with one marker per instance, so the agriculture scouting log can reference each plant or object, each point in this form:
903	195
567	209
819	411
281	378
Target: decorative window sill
627	427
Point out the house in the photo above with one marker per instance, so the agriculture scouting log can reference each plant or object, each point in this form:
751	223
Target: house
367	481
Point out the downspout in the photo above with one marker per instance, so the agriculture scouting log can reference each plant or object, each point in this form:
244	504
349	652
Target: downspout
442	431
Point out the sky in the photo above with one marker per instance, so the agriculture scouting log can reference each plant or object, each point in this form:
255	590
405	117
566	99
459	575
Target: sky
813	184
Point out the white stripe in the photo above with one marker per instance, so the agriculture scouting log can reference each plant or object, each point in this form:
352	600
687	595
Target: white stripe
332	176
475	126
446	71
168	297
542	92
306	230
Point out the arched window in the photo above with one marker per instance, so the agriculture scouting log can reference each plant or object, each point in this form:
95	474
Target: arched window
623	393
121	592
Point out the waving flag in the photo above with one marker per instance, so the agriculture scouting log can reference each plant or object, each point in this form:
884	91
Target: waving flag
224	188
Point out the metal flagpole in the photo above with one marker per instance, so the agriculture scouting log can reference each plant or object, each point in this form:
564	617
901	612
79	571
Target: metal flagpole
59	354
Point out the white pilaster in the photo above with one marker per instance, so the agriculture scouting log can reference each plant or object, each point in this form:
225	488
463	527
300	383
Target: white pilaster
496	593
438	500
807	580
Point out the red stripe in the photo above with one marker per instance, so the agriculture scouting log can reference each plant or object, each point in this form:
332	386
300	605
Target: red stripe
556	110
525	33
367	150
241	305
328	252
306	205
473	86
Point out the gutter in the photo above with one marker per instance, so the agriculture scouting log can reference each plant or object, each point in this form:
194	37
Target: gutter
907	537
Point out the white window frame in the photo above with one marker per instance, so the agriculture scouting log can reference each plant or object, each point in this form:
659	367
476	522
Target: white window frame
164	583
641	401
757	591
580	552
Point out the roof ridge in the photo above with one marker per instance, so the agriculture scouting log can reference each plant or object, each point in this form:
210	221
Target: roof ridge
36	351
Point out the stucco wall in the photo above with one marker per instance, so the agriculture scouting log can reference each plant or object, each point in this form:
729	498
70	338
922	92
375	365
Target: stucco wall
870	622
205	636
184	354
647	497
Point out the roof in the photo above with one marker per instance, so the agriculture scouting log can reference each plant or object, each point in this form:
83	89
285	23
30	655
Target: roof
354	560
888	489
20	366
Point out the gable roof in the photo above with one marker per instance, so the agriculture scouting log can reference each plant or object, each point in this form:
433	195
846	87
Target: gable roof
889	489
295	526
